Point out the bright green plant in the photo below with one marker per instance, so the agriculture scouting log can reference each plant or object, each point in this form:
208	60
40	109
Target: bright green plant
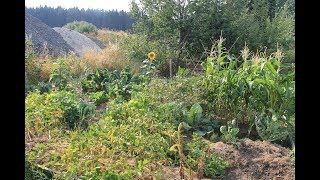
98	97
215	166
60	74
183	72
229	132
196	149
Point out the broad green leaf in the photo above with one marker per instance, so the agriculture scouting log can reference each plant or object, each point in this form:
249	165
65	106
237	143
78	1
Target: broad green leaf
200	133
271	68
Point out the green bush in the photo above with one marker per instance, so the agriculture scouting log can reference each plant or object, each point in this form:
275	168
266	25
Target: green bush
81	26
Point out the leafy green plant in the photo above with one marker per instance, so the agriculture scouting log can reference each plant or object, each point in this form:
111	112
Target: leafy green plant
98	97
195	121
55	109
229	132
246	88
34	172
183	72
116	83
215	166
60	74
196	149
147	70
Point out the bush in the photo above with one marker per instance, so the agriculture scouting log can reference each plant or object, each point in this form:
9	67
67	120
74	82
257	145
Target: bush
81	26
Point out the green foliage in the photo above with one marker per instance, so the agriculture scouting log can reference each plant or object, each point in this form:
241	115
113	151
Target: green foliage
127	132
33	172
195	148
190	26
247	89
32	66
215	166
184	91
42	87
147	70
198	123
60	74
183	72
98	97
55	109
81	26
229	132
137	47
117	83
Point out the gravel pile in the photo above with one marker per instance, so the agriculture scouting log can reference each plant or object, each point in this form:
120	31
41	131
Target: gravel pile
41	33
79	42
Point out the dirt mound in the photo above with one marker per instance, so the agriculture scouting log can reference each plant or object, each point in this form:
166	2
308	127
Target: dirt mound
251	160
41	34
255	160
79	42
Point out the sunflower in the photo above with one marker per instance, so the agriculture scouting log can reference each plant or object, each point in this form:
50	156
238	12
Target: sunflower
152	56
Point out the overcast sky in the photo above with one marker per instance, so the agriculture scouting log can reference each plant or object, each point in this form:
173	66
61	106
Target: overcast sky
92	4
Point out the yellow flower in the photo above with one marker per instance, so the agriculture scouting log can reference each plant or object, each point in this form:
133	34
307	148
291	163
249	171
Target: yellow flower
152	56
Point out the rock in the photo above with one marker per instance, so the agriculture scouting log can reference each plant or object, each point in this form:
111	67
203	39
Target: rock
41	34
79	42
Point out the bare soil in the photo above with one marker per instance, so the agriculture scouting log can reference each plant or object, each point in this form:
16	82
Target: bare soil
249	160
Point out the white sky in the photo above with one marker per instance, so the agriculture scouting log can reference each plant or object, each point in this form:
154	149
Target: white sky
92	4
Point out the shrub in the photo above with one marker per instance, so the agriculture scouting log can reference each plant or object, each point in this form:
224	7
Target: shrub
81	26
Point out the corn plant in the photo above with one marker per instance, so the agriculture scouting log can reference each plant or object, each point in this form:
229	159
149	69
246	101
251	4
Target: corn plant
255	91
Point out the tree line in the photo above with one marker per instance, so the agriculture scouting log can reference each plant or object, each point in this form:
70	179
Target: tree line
58	17
192	25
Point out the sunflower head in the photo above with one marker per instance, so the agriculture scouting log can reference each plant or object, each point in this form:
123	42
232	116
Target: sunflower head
152	56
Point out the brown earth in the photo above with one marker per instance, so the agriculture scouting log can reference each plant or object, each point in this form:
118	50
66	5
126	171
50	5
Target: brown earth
251	160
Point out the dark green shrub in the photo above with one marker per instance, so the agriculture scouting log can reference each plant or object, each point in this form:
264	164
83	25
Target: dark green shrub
81	26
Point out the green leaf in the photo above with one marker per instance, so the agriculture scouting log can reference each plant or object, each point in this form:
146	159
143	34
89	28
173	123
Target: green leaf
172	148
195	112
271	68
200	133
